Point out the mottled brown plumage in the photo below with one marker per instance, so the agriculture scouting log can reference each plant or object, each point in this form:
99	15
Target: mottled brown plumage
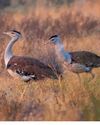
29	66
86	58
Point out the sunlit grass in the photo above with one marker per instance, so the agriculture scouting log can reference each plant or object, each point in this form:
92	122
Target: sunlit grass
48	99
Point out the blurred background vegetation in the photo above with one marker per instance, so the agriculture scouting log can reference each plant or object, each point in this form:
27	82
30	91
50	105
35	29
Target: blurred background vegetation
9	3
78	24
17	3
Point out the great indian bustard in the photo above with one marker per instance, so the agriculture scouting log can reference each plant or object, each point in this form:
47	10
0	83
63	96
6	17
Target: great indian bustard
26	68
77	62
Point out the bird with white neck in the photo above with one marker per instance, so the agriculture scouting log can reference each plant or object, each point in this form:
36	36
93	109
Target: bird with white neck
8	52
24	67
78	61
59	47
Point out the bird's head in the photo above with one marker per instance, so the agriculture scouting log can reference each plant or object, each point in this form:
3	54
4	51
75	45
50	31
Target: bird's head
13	33
54	39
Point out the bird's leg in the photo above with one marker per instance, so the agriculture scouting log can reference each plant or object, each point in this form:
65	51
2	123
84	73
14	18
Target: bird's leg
79	77
60	77
61	88
59	81
92	75
55	93
24	90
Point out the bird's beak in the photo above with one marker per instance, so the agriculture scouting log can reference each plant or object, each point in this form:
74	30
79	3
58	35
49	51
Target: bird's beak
4	32
2	35
7	33
47	43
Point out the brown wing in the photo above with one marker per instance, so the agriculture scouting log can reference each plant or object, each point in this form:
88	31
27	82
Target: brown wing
30	66
86	58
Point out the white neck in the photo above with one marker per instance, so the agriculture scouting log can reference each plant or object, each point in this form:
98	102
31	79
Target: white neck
59	47
8	52
60	51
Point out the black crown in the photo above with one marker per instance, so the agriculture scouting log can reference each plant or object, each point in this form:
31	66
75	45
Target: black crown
53	36
16	31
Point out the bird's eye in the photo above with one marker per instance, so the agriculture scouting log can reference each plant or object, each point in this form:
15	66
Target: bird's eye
52	39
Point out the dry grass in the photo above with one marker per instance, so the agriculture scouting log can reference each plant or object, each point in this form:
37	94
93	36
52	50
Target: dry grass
51	99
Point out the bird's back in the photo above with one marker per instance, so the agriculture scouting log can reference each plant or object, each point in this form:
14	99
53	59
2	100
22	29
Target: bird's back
86	58
30	65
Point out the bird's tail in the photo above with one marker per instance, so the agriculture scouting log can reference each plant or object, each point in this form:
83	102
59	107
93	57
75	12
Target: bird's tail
97	64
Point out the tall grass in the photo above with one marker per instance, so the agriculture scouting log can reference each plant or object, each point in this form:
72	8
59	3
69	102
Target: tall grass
65	99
